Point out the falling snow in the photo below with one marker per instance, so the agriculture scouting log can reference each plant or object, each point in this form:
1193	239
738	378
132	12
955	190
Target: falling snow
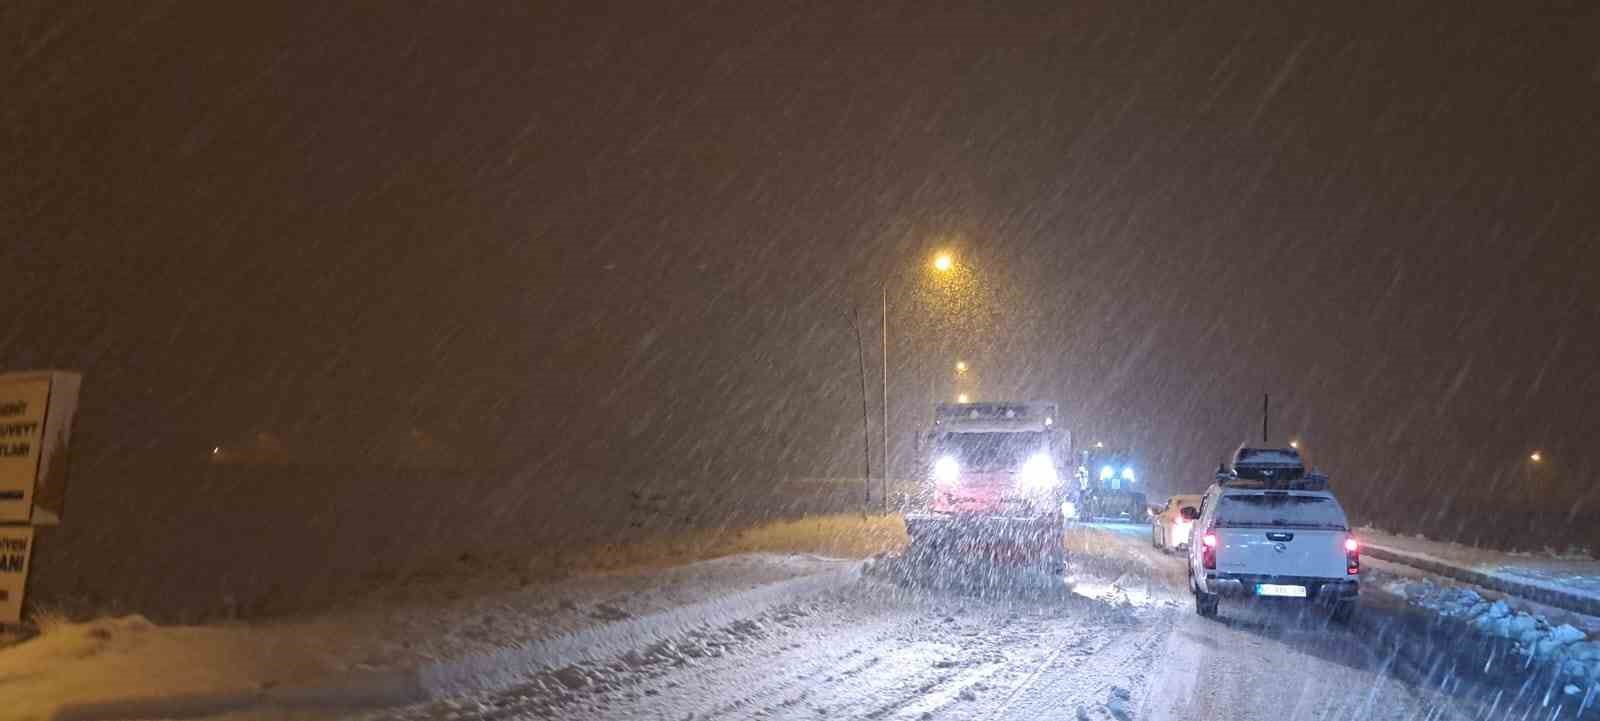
402	317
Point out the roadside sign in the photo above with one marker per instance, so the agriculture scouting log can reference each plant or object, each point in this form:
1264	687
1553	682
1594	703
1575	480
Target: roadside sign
16	545
36	410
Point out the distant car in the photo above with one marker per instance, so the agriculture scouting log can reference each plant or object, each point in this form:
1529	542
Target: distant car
1172	524
1273	532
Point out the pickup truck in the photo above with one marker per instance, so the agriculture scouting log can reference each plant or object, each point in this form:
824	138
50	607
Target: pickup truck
1273	540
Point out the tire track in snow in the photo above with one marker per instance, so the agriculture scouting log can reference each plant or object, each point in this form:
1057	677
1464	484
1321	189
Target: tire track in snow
1083	676
771	672
800	666
893	659
872	651
505	668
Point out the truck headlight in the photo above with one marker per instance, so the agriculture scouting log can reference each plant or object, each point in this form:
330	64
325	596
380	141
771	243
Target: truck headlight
1107	473
1127	474
946	471
1038	472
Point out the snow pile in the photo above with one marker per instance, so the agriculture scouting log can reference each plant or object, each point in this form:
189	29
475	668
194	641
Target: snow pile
1534	634
416	624
1120	704
130	657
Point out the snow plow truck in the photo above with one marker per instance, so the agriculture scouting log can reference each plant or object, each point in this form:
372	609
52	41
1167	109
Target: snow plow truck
993	488
1107	488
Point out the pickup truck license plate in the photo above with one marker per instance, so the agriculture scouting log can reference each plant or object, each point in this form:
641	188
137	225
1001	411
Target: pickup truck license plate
1272	589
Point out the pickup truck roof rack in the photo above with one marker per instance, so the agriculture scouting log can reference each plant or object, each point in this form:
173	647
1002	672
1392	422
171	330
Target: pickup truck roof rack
1309	482
1270	468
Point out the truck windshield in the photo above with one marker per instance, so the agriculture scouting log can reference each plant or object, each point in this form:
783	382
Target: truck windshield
1280	509
993	451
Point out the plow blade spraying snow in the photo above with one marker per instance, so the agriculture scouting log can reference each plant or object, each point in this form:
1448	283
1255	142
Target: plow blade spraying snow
1024	542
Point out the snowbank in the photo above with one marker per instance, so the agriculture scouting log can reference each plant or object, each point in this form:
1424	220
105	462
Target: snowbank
187	543
1568	580
435	619
1535	636
130	656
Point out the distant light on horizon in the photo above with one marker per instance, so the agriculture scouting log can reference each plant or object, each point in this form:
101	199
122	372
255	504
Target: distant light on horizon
1536	457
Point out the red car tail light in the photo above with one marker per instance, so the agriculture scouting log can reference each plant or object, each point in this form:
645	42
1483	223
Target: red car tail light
1208	550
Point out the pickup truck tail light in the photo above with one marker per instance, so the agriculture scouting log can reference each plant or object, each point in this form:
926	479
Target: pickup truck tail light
1352	556
1208	550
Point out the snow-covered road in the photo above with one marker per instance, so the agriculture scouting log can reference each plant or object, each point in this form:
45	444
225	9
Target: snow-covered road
1119	640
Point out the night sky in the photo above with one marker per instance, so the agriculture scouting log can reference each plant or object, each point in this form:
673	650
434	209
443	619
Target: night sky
622	242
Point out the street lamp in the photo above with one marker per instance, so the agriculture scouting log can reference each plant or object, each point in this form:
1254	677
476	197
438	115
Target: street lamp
1295	445
1530	474
943	262
962	398
961	366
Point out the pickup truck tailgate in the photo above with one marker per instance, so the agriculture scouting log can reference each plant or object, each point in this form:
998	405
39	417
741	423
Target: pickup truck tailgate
1314	553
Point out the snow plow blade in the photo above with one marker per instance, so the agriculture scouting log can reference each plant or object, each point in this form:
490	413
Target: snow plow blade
942	539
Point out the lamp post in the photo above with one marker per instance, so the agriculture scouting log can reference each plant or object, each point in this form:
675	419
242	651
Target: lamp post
1535	459
943	263
883	472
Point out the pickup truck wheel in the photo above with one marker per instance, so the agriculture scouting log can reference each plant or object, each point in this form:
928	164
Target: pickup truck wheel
1205	604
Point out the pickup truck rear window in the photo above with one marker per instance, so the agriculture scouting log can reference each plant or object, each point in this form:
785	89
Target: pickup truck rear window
1280	509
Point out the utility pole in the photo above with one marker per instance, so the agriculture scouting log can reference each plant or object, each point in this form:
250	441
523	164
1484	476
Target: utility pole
866	429
883	468
1265	400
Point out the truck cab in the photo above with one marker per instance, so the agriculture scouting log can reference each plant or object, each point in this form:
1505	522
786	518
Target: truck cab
993	473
